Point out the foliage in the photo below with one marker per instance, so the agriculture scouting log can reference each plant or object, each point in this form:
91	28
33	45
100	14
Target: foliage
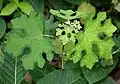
3	27
27	38
67	76
50	26
11	7
76	1
12	71
98	72
84	10
67	31
94	46
64	14
59	41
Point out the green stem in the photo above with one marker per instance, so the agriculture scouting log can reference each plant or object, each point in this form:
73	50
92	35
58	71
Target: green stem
62	57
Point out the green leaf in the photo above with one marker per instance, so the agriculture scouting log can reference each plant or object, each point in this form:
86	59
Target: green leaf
92	43
8	9
84	10
78	2
50	26
2	27
70	75
60	4
1	4
38	73
67	31
25	7
98	72
117	41
117	7
107	81
1	57
27	38
115	1
12	71
116	21
38	5
64	14
58	46
15	1
1	82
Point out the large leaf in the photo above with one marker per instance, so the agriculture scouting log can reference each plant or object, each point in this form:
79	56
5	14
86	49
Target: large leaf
2	27
12	71
70	75
8	9
98	72
96	41
26	36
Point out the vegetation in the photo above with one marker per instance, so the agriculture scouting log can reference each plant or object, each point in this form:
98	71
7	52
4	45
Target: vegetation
59	41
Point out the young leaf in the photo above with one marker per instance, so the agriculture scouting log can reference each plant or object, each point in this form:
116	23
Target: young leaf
8	9
2	27
12	71
67	31
92	43
64	14
27	38
25	7
98	72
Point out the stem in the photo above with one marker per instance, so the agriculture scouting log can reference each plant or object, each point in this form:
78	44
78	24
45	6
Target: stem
49	36
62	57
116	51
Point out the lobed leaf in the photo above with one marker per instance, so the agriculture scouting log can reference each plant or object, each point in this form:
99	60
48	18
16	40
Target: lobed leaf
92	43
27	38
64	14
